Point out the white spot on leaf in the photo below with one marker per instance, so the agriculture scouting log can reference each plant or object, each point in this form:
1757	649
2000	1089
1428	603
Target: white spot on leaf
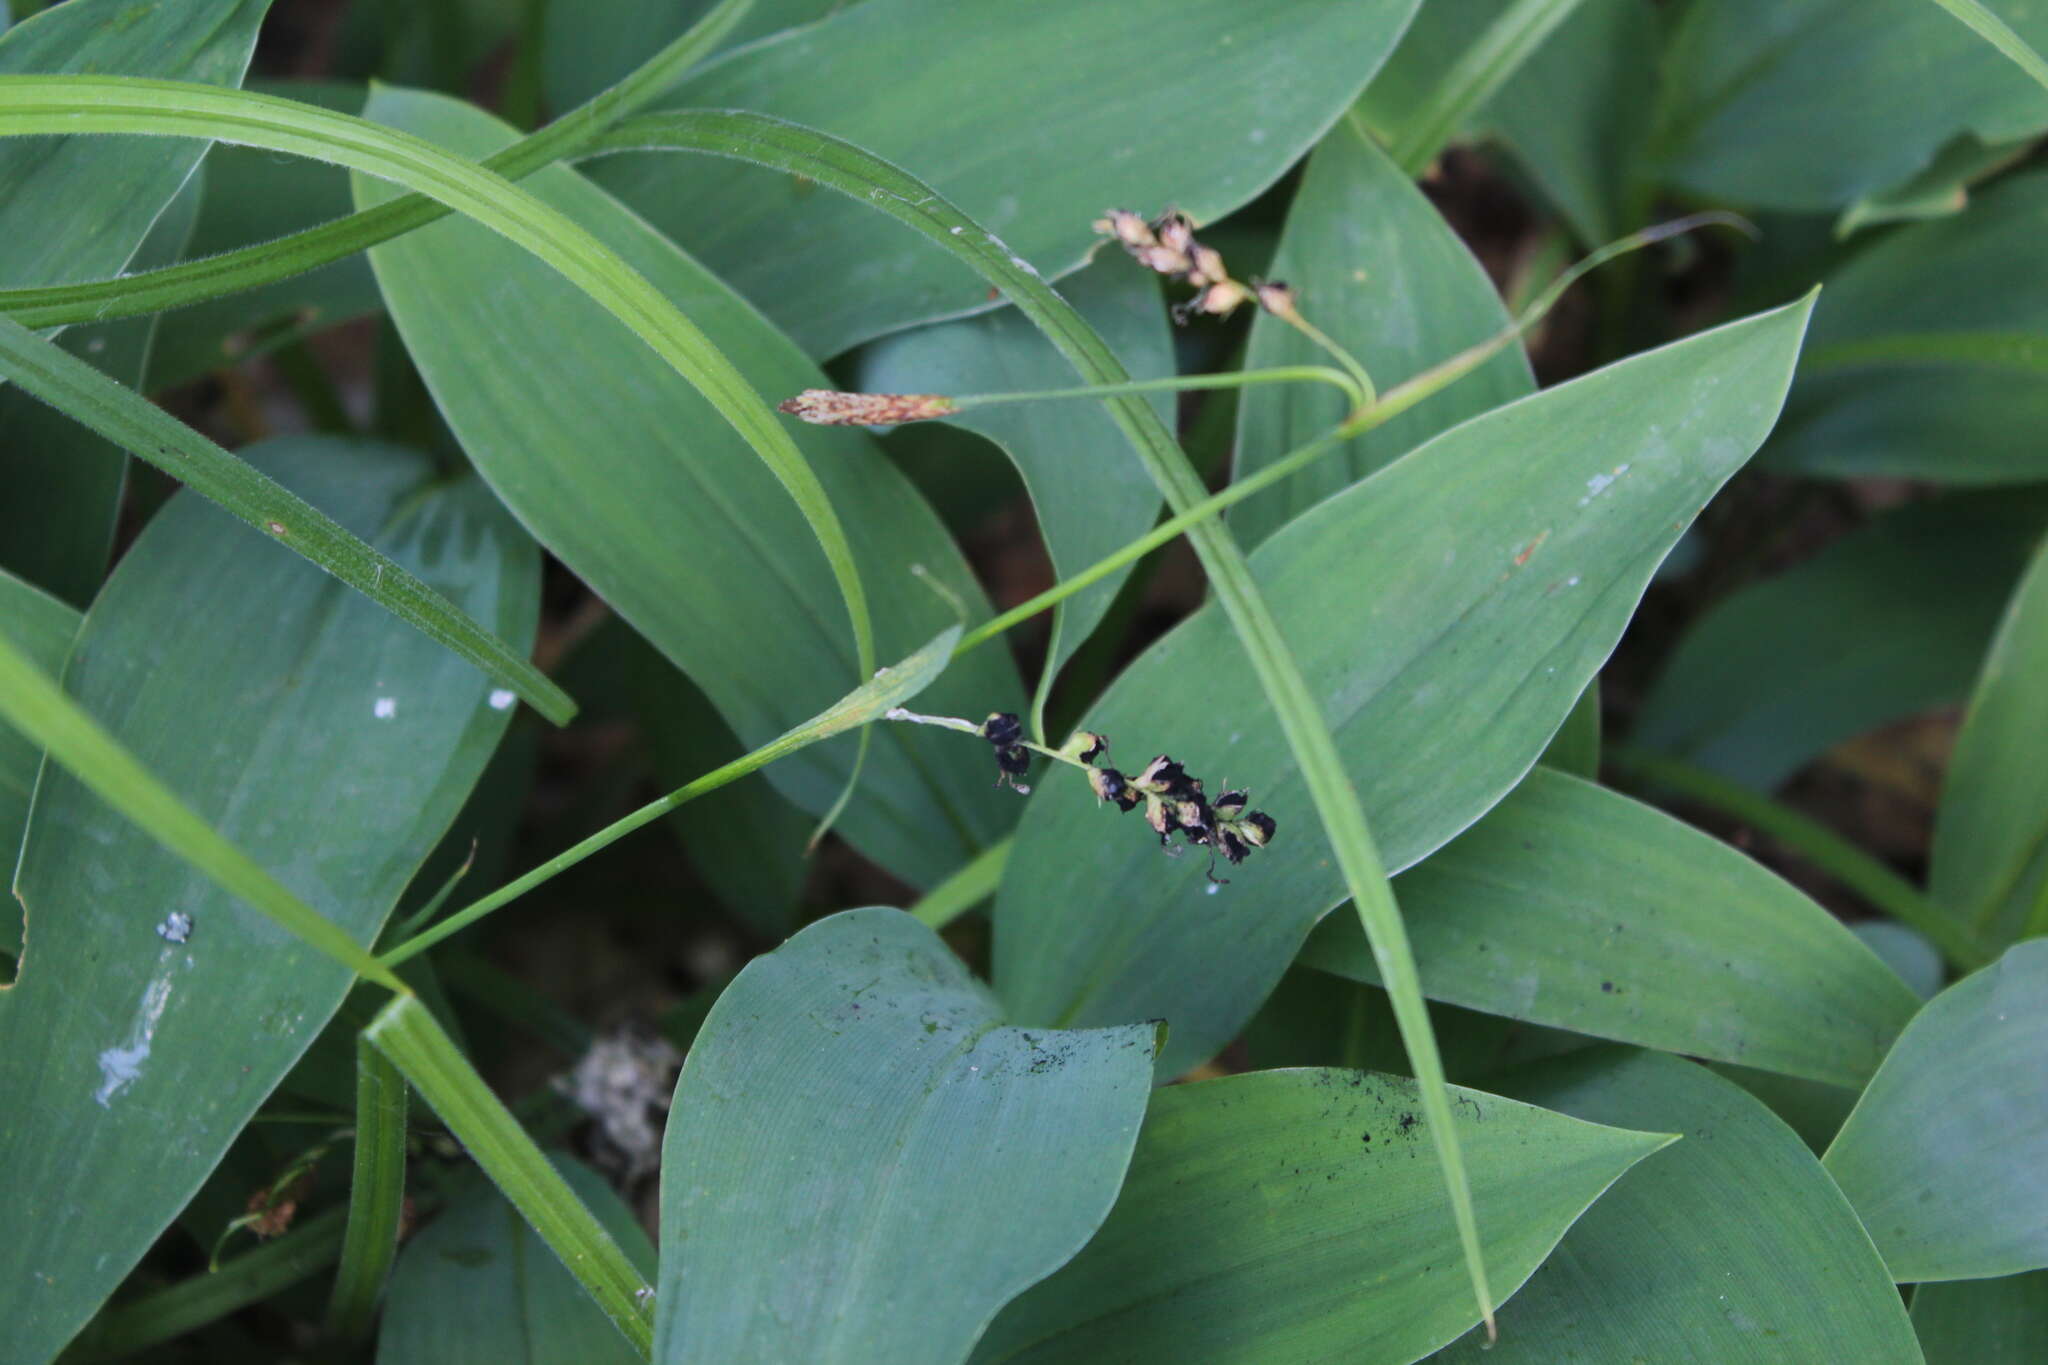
385	708
121	1067
501	697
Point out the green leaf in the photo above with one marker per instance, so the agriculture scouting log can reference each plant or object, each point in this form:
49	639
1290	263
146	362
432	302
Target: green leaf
41	627
376	1194
1886	622
1572	906
1284	1215
1486	61
254	196
479	1287
854	1090
1575	748
122	1094
58	529
1089	496
1732	1245
1384	276
45	370
1810	104
76	208
1989	862
1199	103
1946	1155
694	544
1983	1322
1910	371
1487	576
1987	25
1939	191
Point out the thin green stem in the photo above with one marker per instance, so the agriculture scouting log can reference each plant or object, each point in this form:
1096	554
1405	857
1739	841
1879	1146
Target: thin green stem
1180	383
1365	391
1843	861
422	917
376	1198
252	267
970	886
868	702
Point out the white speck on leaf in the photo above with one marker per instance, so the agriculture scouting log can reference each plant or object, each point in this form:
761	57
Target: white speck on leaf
121	1067
501	697
385	709
176	928
956	229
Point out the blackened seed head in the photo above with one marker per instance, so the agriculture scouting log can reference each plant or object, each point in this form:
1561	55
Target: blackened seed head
1109	786
1091	746
1194	814
1156	816
1002	728
1258	828
1015	760
1232	847
1162	775
1230	803
1128	800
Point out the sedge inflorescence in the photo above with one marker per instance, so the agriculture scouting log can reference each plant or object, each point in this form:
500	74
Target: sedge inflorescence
1173	800
1167	245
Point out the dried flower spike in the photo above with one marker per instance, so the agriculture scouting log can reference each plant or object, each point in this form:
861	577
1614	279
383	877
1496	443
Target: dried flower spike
1277	297
1002	728
829	408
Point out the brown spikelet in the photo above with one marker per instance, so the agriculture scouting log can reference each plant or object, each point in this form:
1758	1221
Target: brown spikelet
827	408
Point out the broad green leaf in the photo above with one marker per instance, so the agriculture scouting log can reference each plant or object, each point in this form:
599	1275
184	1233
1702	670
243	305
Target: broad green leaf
76	208
584	51
1484	579
623	470
1732	1245
1946	1155
1811	104
1382	274
1928	351
1884	623
478	1285
1199	103
1089	495
1989	862
1573	906
43	627
1293	1215
1490	56
1575	748
1983	1322
153	1013
65	481
862	1164
257	196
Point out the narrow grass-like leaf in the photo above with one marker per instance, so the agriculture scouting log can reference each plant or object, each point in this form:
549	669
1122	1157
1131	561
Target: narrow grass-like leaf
1999	34
1989	862
77	208
376	1195
1485	64
627	474
479	1287
268	262
41	628
408	1034
78	104
1731	1245
128	419
1574	907
965	889
875	182
168	984
1284	1216
864	705
1946	1154
857	1088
